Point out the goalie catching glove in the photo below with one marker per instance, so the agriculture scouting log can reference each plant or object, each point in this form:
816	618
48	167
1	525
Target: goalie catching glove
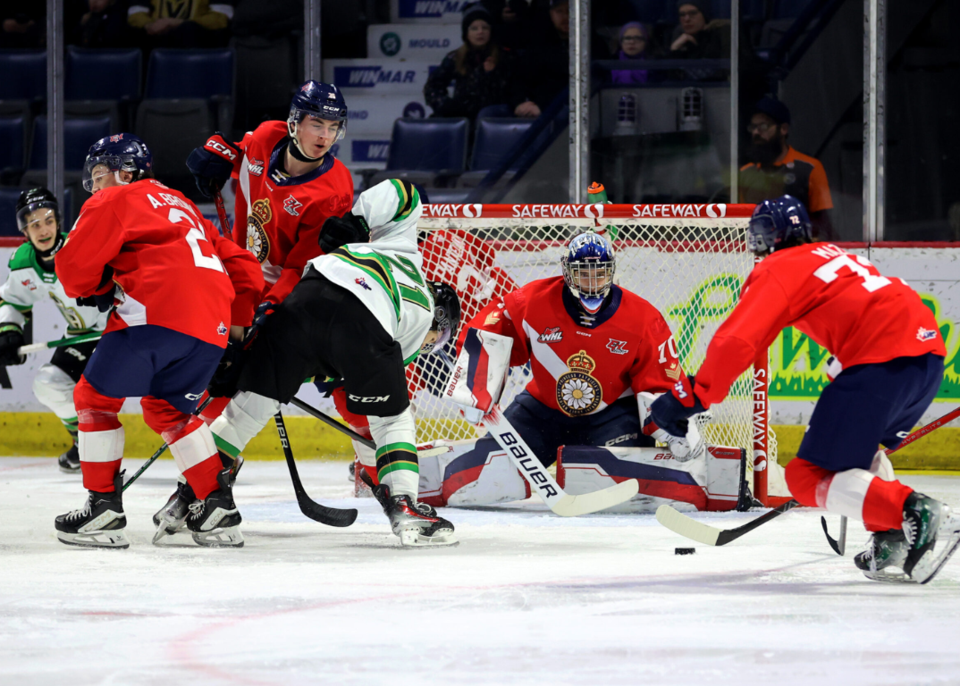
671	411
689	446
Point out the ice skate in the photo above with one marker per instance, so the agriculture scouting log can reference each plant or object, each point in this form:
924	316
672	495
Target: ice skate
215	520
99	523
233	464
884	557
927	522
172	517
417	524
69	461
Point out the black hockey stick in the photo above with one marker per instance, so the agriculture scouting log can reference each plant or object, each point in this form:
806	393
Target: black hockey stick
709	535
314	412
160	451
331	516
840	545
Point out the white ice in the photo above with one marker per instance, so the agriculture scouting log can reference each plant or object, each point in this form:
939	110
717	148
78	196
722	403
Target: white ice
527	598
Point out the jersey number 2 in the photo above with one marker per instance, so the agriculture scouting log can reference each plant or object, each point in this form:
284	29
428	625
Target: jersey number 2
193	237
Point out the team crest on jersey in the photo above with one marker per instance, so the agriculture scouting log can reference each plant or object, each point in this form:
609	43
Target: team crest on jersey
257	241
360	281
28	283
552	334
222	329
291	205
617	347
925	334
577	391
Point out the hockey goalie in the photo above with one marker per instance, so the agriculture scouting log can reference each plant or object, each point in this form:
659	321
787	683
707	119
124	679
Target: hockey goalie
599	355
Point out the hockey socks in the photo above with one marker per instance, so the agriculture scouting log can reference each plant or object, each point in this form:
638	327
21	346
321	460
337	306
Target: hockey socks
193	449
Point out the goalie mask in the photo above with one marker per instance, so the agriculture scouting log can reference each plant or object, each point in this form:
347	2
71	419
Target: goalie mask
115	154
778	224
446	316
588	265
317	101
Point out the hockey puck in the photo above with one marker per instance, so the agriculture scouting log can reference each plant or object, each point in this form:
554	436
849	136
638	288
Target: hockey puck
684	551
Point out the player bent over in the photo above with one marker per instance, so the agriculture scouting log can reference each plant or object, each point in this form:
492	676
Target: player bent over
32	278
595	349
361	313
178	288
891	353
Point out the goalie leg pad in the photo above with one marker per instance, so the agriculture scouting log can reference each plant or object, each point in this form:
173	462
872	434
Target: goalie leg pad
475	472
713	483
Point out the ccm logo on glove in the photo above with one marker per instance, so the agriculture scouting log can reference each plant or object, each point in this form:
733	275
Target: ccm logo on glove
220	148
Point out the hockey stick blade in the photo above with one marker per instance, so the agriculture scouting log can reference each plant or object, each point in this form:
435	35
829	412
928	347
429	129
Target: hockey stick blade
709	535
331	516
838	545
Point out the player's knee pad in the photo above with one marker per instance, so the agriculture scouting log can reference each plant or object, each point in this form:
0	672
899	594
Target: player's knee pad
242	419
95	411
713	482
54	388
475	472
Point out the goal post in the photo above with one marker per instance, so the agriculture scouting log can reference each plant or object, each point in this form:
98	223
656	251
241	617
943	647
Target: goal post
688	260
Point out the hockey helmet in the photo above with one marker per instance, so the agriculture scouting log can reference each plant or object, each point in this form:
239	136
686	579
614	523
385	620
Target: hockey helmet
588	265
320	101
32	200
779	223
121	152
446	316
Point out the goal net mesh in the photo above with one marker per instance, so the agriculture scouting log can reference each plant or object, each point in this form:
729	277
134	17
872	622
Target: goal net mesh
691	270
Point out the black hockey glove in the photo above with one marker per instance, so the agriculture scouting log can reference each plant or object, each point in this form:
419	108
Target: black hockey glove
212	164
671	410
224	381
11	338
102	301
339	231
264	310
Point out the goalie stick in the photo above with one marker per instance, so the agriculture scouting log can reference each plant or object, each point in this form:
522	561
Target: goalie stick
839	545
332	516
709	535
545	485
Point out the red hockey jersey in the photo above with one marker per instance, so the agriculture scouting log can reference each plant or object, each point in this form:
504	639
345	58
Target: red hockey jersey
278	217
581	363
838	299
175	269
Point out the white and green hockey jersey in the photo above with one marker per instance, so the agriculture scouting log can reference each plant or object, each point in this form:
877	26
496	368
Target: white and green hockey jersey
386	274
28	283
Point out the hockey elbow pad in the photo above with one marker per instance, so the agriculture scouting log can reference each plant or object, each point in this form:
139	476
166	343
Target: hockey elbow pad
339	231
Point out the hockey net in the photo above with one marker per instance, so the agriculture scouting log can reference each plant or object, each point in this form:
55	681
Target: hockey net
689	261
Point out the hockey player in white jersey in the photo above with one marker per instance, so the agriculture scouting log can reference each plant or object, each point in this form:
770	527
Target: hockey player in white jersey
361	313
31	280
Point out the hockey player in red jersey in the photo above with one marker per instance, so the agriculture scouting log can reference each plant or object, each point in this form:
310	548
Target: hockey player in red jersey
178	289
892	355
594	349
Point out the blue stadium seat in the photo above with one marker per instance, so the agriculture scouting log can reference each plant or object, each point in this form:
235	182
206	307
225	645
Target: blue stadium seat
190	74
8	211
429	145
495	138
651	11
13	135
24	75
789	9
79	135
103	74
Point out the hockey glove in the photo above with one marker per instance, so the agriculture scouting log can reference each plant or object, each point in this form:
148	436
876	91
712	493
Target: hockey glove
224	381
102	300
264	310
213	163
339	231
671	410
11	338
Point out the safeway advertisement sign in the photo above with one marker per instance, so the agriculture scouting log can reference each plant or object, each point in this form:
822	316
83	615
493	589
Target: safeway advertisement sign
591	211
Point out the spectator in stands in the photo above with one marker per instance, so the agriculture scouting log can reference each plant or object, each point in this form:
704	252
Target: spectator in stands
634	45
102	24
511	22
544	70
479	70
187	24
22	24
699	38
775	168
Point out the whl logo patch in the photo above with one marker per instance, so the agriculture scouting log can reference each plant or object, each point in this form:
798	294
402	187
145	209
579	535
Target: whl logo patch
551	334
925	334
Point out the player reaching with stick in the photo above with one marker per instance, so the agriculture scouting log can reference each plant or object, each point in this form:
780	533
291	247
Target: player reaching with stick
889	348
360	314
178	289
32	278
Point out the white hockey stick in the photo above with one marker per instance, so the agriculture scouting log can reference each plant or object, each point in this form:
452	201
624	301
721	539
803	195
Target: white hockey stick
545	485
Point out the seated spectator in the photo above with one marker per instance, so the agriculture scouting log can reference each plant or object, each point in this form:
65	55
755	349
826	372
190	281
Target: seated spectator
634	45
544	70
776	169
23	24
478	69
187	24
699	38
102	24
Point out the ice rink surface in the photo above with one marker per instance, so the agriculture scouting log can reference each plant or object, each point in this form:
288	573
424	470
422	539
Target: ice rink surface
527	597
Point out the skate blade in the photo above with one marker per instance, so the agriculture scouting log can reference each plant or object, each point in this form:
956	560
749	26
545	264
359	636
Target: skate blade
411	538
886	576
228	537
932	562
96	539
70	470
